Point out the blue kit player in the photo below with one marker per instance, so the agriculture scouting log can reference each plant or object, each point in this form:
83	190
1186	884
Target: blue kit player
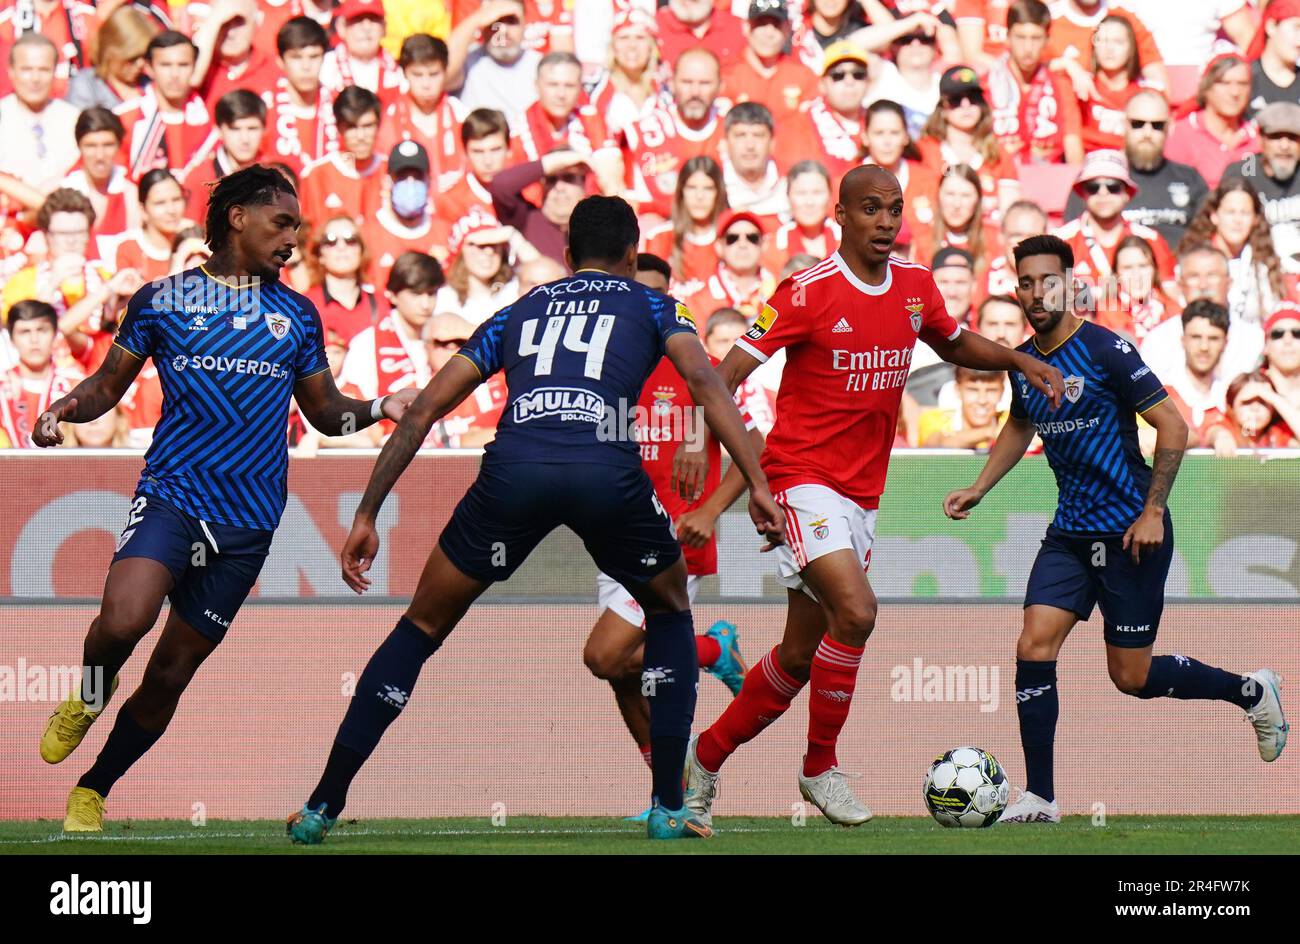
576	353
1111	542
231	345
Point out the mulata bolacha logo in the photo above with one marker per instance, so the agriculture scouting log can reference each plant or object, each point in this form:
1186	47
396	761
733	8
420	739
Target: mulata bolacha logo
77	897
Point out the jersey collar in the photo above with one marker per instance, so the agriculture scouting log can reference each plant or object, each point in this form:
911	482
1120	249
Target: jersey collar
1067	338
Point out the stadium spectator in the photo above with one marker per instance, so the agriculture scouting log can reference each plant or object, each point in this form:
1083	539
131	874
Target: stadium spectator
564	183
169	122
320	12
89	324
241	130
1232	220
764	71
653	271
739	280
975	424
499	73
835	119
63	271
481	279
958	221
1134	302
390	356
888	144
1115	73
811	229
1257	418
110	431
34	381
981	30
1199	385
118	74
67	24
226	58
1022	219
1072	46
960	131
1275	51
692	24
359	57
1282	350
148	248
656	147
351	178
100	178
687	240
1191	36
1168	193
908	77
559	119
629	87
1106	188
1203	273
474	422
753	180
307	440
721	331
998	318
40	144
337	262
1035	111
954	274
540	270
485	136
404	221
191	249
425	113
867	23
300	113
1273	174
1217	134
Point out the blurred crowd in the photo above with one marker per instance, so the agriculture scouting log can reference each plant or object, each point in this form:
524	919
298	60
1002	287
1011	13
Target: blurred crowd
438	147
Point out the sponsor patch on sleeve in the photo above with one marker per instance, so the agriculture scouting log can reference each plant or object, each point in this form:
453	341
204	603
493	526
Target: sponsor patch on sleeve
684	316
766	318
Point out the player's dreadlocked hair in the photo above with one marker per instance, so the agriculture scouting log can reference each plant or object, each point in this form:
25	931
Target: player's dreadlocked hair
602	229
252	186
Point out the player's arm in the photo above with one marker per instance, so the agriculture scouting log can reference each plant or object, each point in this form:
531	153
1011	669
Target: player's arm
1009	448
1148	532
969	349
333	414
723	418
91	398
695	527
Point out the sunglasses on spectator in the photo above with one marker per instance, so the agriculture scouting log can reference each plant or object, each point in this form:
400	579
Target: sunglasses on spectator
839	75
1094	187
733	238
1137	124
447	342
577	180
1277	334
916	38
957	101
511	20
334	239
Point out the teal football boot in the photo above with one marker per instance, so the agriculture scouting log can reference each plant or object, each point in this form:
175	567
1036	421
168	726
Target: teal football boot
730	668
308	826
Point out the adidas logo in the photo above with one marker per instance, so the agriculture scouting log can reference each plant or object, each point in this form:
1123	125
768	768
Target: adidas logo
842	327
834	696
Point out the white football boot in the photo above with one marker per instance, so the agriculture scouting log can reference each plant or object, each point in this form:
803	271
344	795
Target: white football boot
830	792
1267	717
699	787
1030	808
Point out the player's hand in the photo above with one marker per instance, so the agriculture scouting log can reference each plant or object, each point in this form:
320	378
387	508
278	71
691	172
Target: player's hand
768	518
395	404
1045	378
358	554
47	431
958	504
1145	534
695	528
690	470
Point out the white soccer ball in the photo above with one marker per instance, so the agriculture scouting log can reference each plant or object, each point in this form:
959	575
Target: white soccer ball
966	788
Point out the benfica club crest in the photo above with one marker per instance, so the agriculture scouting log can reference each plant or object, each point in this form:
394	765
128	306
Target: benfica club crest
915	309
663	402
277	324
1073	388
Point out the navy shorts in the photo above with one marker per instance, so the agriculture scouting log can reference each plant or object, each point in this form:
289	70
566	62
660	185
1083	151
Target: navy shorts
1075	572
512	506
213	566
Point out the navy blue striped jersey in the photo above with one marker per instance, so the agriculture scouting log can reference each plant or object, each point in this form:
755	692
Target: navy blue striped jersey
1091	441
576	353
227	359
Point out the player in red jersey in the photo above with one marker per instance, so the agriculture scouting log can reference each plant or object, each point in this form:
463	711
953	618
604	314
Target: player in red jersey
849	325
666	418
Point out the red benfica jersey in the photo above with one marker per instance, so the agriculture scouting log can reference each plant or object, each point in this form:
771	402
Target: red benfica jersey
155	138
446	153
789	85
68	26
257	73
1071	33
992	15
112	223
275	13
387	237
333	186
27	399
937	156
1031	122
481	410
789	240
381	75
848	351
1092	262
463	198
298	136
699	259
838	140
583	130
656	147
1104	123
134	252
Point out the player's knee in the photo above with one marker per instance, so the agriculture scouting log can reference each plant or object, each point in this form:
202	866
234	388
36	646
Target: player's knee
126	620
796	663
166	679
1032	649
852	625
602	661
1130	680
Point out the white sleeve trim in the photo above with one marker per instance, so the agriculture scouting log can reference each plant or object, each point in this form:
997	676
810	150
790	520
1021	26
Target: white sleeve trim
953	336
751	350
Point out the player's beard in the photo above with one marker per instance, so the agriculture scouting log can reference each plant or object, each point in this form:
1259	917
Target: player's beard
1044	322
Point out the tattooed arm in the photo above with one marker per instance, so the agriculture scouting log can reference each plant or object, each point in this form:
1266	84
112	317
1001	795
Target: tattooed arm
91	398
1148	532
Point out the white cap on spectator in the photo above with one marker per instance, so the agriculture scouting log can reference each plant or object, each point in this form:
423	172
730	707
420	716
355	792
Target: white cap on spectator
1105	164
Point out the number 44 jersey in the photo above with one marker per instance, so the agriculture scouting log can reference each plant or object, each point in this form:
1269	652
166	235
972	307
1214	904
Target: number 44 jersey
576	353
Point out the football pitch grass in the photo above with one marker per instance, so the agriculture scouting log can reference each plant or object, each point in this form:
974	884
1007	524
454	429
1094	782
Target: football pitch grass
1076	835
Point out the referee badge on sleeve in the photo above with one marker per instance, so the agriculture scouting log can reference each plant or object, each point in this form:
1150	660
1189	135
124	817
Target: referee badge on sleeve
278	325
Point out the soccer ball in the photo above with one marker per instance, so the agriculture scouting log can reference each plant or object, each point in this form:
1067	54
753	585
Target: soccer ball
966	787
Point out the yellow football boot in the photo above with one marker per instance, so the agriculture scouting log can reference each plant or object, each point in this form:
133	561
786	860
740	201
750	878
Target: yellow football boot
68	725
85	811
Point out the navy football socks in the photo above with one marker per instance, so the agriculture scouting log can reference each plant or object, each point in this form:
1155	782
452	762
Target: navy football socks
382	692
1181	677
670	677
1038	705
126	744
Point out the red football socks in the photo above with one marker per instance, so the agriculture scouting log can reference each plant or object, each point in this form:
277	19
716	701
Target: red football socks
708	650
830	692
764	697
